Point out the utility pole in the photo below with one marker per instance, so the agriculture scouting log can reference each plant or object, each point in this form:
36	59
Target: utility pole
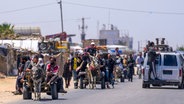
109	16
83	28
61	10
138	46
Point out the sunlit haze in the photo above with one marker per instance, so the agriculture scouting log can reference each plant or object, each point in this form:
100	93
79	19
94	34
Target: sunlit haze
141	19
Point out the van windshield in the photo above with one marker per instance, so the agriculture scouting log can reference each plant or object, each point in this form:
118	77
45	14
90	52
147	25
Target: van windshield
170	60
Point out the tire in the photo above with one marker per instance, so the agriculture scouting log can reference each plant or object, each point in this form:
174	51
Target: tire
42	46
180	86
54	92
27	94
81	83
145	85
103	83
122	79
148	85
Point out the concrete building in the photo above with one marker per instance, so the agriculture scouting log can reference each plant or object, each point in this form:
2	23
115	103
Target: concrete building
113	37
127	41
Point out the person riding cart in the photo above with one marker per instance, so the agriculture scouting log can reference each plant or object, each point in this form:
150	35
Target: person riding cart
19	80
92	49
52	74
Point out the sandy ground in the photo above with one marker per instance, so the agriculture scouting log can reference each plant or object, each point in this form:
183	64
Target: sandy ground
7	86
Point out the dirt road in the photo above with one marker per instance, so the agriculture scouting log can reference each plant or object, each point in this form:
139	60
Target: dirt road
7	85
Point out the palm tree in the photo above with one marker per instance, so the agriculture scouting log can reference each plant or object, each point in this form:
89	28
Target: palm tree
6	31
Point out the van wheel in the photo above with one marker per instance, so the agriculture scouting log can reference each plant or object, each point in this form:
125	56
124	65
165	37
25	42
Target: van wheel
143	85
180	86
148	85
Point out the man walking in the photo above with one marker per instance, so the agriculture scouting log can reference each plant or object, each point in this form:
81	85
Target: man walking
131	64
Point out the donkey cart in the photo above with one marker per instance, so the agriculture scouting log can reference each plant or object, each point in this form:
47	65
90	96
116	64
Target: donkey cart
50	89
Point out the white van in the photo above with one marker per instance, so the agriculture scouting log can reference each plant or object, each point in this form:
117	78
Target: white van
182	53
169	70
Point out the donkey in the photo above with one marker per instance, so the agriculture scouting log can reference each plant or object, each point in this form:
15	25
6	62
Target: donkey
37	73
92	71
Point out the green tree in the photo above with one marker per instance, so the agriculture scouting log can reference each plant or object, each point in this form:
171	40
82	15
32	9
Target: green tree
6	31
180	48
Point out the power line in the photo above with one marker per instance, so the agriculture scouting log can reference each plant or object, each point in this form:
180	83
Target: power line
32	7
93	6
125	10
46	21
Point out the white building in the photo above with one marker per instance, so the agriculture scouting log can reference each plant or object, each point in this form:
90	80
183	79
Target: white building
28	44
113	37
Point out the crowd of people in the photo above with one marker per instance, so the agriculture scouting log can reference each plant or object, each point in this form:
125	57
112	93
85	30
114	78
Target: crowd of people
76	63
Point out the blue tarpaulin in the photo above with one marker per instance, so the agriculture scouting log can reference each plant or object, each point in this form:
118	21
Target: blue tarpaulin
112	51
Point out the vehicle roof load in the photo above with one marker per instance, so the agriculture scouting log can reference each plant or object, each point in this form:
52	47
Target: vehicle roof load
161	46
162	41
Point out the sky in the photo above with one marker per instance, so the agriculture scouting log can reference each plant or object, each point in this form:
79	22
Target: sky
142	19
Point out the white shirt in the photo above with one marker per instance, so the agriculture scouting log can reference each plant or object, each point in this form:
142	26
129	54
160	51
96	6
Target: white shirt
139	60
